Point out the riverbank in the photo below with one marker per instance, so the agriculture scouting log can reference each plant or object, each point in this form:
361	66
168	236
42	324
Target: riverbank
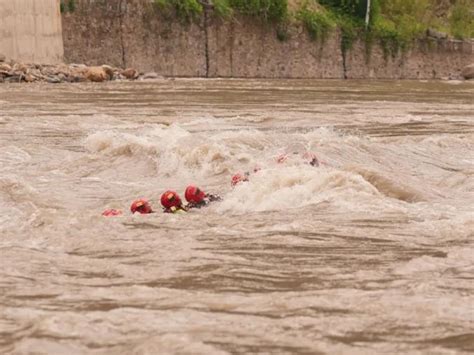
138	34
15	72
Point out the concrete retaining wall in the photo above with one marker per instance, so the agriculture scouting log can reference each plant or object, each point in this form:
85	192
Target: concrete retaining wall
134	33
30	31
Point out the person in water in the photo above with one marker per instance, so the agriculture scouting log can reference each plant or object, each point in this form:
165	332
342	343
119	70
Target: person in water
172	203
141	206
308	157
197	198
239	178
111	212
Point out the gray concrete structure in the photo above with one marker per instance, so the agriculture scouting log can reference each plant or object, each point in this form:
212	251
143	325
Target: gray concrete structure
31	31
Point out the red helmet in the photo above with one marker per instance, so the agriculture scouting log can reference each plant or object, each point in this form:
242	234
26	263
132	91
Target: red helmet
170	199
194	194
141	206
238	178
111	212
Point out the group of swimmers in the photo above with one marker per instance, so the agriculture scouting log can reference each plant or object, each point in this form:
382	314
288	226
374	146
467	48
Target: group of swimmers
308	157
196	197
171	202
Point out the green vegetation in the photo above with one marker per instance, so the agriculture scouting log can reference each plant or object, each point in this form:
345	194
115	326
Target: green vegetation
395	24
222	9
317	23
461	19
268	10
400	22
186	9
354	8
67	5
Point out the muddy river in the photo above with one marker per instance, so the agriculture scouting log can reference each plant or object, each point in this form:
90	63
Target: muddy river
372	252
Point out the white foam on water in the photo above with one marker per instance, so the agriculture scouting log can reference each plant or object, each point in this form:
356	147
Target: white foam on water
292	187
378	238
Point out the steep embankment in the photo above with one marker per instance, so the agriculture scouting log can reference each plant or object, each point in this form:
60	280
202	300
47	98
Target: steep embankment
135	33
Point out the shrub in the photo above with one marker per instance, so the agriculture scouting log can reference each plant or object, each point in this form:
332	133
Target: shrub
317	23
71	5
222	8
186	9
461	19
356	8
67	6
268	10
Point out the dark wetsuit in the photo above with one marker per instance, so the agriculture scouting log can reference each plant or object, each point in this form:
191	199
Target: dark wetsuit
207	200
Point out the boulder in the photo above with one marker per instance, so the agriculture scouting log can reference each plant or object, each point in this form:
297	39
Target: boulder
2	58
36	73
20	68
48	70
63	69
53	79
78	73
130	73
151	76
78	70
430	32
77	78
109	71
14	78
78	66
468	72
62	76
5	67
29	78
96	74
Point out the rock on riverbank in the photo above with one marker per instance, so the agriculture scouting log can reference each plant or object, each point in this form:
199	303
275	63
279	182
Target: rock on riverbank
12	72
468	72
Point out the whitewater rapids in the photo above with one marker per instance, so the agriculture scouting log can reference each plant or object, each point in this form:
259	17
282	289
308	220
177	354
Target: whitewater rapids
371	252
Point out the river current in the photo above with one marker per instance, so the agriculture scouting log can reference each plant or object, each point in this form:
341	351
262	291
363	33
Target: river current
372	252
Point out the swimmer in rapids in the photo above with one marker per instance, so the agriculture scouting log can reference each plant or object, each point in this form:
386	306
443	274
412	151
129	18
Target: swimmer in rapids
172	203
112	212
141	206
307	157
239	178
243	177
197	198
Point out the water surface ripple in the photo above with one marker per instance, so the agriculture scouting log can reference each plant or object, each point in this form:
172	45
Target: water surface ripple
372	252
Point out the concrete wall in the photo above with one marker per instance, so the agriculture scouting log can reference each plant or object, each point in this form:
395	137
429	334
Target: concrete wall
133	33
30	31
245	48
428	59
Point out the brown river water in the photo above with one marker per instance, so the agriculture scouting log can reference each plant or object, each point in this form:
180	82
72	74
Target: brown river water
370	253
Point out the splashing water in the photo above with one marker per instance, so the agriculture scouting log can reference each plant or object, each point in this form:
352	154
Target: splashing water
371	252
